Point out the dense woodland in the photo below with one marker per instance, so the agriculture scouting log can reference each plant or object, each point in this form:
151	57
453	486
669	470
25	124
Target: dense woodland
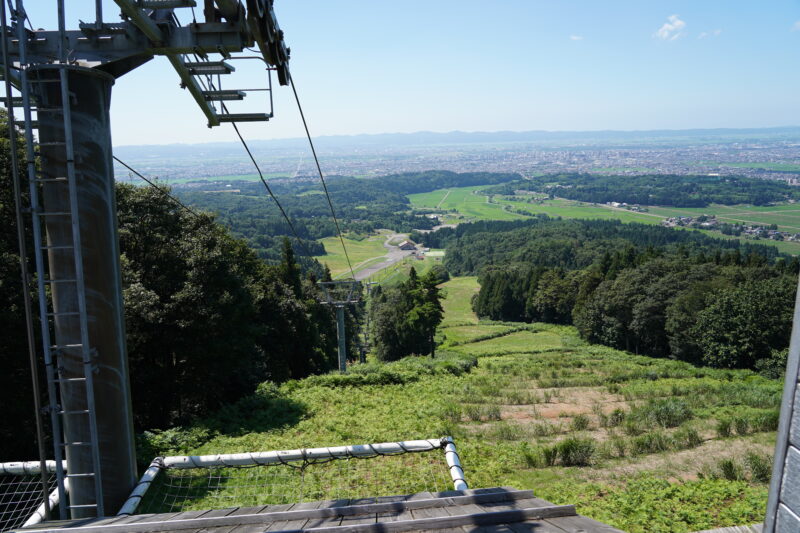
665	190
404	318
207	320
362	206
641	288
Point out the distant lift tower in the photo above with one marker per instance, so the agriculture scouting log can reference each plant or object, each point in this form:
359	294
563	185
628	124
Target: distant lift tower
62	80
340	294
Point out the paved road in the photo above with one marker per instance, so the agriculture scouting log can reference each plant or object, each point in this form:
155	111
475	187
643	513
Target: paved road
393	255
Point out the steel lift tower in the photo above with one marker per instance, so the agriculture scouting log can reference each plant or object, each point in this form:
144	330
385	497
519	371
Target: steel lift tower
62	81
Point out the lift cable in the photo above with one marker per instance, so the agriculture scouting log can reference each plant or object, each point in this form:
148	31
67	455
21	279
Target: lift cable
192	211
269	189
162	190
321	177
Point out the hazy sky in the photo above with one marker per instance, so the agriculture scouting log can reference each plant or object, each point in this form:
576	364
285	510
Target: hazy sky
374	66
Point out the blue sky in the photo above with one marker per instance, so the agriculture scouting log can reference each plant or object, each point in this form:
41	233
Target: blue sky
367	66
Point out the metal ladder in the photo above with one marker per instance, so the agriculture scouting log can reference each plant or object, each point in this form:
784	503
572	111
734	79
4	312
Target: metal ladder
54	352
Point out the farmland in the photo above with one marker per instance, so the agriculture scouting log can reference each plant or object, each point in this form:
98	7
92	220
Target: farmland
466	201
466	204
640	443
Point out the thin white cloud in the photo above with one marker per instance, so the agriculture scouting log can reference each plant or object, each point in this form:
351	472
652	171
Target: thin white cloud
576	37
709	34
671	30
796	26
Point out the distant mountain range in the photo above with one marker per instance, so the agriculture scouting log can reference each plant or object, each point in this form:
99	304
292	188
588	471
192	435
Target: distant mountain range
544	138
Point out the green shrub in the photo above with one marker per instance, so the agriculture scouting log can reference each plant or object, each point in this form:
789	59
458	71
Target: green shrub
730	469
473	412
724	426
576	451
550	455
616	417
506	431
741	425
543	430
687	437
654	442
663	412
774	366
760	467
173	441
632	427
765	421
580	422
520	397
620	446
451	411
406	370
531	457
492	412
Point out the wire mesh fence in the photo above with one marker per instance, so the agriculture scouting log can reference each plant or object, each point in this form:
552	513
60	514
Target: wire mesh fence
20	496
299	480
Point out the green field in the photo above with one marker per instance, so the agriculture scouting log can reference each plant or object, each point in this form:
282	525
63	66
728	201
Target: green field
362	253
399	272
467	201
787	216
457	304
571	209
643	444
468	206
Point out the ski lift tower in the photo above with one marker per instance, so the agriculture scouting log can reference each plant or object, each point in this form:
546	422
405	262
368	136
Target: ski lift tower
340	294
62	80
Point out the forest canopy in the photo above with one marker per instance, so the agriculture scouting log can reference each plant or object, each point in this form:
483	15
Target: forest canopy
636	287
664	190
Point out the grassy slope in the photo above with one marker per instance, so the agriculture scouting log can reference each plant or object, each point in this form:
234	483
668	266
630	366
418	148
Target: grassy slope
362	253
509	410
466	200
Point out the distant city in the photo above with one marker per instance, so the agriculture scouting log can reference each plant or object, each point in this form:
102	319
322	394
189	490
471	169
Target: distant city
760	153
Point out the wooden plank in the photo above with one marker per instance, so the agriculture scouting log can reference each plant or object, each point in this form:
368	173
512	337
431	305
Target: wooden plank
757	528
581	524
794	425
534	526
359	519
498	528
429	512
284	525
425	524
328	509
466	509
328	520
516	504
234	511
388	499
787	521
363	501
790	488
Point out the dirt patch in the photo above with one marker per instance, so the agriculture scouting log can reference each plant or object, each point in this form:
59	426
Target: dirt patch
684	465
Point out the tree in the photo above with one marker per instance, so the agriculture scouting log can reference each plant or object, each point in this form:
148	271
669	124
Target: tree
17	430
405	318
207	319
745	324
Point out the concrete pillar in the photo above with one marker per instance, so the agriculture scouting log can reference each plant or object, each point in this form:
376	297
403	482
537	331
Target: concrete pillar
90	94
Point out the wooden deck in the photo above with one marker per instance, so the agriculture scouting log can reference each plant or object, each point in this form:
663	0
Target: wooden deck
471	511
